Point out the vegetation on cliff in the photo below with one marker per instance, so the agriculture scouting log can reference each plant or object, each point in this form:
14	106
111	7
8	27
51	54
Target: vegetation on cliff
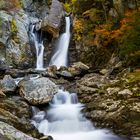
108	26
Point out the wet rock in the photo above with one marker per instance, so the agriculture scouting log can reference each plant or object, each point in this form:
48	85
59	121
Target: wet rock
37	91
52	22
65	74
78	68
12	133
15	73
7	84
46	138
50	72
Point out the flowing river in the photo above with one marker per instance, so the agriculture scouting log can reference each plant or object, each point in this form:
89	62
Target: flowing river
63	120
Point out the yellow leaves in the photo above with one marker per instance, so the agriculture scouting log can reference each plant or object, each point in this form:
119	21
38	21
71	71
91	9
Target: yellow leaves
73	1
78	29
14	29
67	7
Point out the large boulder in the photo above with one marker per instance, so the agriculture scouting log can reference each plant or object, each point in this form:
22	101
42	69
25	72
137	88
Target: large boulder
52	22
37	91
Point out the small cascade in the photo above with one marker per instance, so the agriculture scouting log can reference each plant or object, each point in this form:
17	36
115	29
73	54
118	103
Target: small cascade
64	120
38	43
60	57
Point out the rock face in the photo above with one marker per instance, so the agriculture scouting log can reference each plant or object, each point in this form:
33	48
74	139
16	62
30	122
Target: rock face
16	114
15	48
52	22
38	91
112	103
12	133
15	18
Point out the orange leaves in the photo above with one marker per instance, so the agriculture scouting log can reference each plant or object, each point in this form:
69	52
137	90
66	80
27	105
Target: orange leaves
108	35
124	21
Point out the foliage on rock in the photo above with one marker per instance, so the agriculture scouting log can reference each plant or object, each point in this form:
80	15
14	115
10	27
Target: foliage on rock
108	26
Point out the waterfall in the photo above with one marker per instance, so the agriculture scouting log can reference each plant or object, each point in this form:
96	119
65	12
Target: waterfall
64	120
60	57
38	43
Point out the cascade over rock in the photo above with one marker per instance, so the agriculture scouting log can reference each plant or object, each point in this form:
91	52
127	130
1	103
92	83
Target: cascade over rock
15	18
52	22
60	56
38	90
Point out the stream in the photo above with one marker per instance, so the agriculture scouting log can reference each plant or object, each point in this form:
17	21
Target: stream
63	120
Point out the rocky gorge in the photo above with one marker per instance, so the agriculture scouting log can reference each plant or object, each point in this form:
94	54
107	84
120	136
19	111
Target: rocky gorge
106	80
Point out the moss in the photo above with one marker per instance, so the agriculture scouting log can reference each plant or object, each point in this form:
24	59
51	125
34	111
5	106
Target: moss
14	29
134	77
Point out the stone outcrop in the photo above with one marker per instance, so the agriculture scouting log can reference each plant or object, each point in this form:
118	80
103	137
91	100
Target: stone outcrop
12	133
52	22
15	48
112	103
16	114
37	91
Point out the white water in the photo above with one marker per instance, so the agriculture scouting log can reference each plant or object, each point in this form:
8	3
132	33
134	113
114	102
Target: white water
60	57
39	48
64	120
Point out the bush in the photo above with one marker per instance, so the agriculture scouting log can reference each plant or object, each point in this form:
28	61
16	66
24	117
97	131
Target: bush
129	43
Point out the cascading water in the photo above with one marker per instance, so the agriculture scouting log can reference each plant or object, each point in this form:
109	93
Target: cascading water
60	57
64	120
38	43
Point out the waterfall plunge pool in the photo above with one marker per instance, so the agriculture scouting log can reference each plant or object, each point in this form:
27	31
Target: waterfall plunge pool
64	120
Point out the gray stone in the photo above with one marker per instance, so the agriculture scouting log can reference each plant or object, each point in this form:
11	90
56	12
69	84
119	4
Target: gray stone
7	84
65	74
52	22
15	48
12	133
78	68
38	91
